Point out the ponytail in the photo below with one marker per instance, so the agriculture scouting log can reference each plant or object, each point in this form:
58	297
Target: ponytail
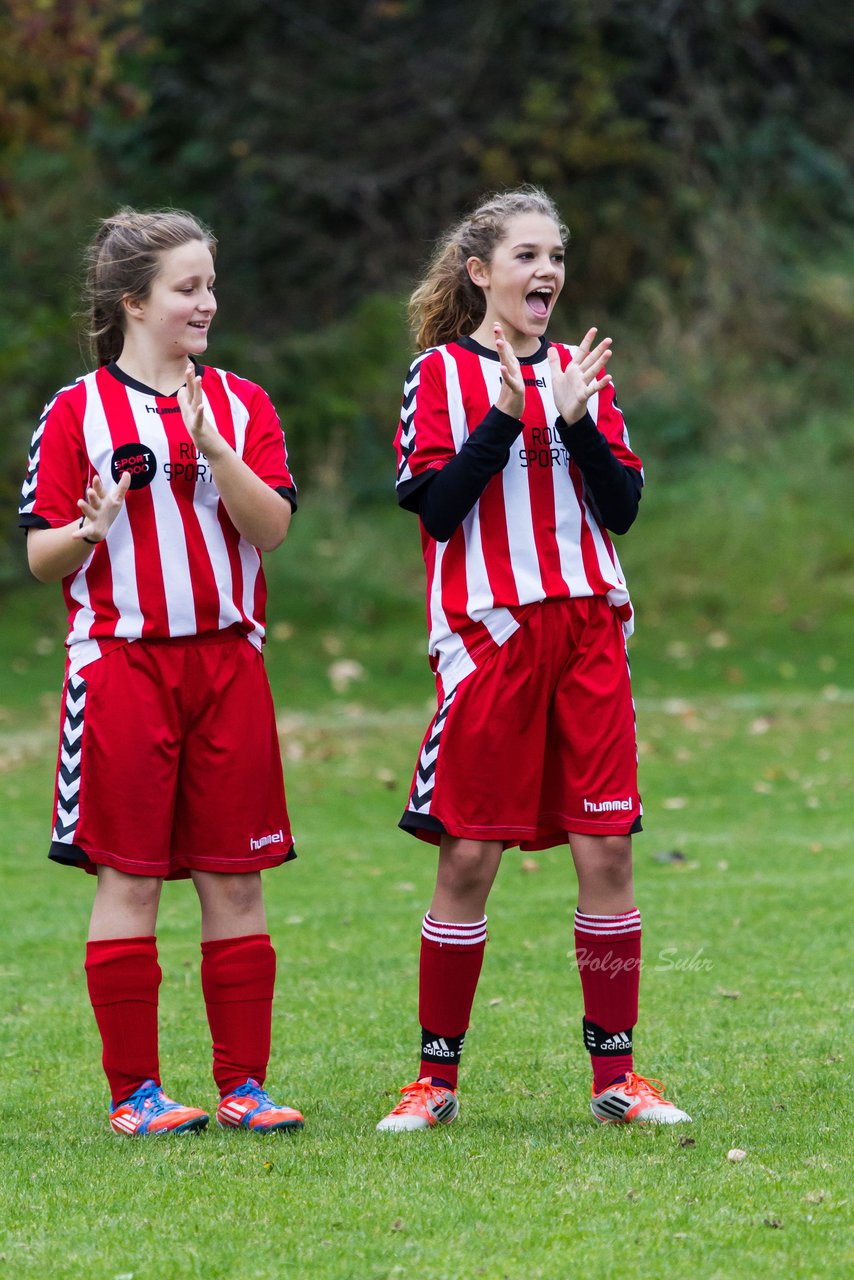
447	303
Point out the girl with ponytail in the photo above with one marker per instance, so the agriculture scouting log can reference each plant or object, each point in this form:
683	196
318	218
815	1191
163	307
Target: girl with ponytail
515	457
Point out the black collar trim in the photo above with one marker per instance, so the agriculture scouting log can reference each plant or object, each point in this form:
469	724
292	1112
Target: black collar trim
121	376
538	356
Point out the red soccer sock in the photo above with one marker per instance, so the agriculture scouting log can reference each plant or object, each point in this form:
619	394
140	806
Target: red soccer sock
238	979
451	959
123	977
608	951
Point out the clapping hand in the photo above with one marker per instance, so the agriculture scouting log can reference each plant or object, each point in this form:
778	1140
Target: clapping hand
512	397
203	433
573	386
99	509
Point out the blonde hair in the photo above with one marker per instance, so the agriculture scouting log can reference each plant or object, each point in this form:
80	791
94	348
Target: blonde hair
122	261
447	303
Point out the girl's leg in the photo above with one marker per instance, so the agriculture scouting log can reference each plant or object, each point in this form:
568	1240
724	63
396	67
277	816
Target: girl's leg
238	975
453	938
123	977
607	949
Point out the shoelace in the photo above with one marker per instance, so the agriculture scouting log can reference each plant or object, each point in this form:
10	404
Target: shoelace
418	1092
636	1086
153	1101
257	1094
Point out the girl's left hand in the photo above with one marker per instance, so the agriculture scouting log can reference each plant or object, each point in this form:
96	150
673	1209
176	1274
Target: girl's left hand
203	433
573	386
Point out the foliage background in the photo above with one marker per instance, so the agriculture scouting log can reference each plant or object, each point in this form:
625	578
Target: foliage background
701	154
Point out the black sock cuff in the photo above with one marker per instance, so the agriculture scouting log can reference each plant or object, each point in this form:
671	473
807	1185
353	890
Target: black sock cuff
606	1043
441	1050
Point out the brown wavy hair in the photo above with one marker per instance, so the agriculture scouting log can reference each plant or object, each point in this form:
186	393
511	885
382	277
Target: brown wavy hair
447	303
122	261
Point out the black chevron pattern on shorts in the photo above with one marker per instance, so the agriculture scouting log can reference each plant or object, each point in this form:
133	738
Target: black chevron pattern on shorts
70	752
407	411
422	788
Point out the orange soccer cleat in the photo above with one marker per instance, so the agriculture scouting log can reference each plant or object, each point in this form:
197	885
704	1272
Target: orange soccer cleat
636	1100
250	1107
423	1105
149	1111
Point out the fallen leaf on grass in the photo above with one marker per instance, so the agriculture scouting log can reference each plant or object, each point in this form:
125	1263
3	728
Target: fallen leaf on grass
497	1000
342	673
728	995
773	1222
669	855
675	802
735	1155
687	1142
530	864
397	1225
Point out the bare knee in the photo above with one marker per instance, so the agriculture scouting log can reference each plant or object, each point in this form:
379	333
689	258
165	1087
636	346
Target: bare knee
604	867
467	868
231	904
129	893
615	861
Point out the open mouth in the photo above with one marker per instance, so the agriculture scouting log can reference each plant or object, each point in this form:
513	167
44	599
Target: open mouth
539	301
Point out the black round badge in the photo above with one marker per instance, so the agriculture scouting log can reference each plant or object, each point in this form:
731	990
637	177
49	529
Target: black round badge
139	460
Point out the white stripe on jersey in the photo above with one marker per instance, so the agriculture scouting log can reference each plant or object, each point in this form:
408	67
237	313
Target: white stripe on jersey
454	663
99	448
517	508
249	559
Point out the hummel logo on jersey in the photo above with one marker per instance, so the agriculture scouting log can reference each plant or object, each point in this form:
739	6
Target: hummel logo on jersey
438	1049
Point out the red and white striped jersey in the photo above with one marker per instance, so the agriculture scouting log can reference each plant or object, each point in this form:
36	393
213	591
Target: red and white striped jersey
533	535
173	563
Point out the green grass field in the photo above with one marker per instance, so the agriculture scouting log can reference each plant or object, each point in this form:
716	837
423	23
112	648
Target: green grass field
745	693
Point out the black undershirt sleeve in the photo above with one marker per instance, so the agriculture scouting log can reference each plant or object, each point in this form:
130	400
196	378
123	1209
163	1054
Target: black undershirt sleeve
444	498
615	489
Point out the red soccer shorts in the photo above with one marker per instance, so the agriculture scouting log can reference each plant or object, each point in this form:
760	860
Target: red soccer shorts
169	761
538	741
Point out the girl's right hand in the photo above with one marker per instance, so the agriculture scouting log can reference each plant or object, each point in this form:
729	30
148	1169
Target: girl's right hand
511	399
99	509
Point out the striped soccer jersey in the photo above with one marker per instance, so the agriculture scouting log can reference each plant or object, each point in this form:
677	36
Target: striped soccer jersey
173	563
534	534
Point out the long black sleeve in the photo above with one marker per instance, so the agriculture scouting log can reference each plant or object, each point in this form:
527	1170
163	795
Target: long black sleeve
614	488
444	498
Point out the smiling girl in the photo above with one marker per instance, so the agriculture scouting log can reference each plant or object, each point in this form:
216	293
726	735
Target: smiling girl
512	451
153	485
